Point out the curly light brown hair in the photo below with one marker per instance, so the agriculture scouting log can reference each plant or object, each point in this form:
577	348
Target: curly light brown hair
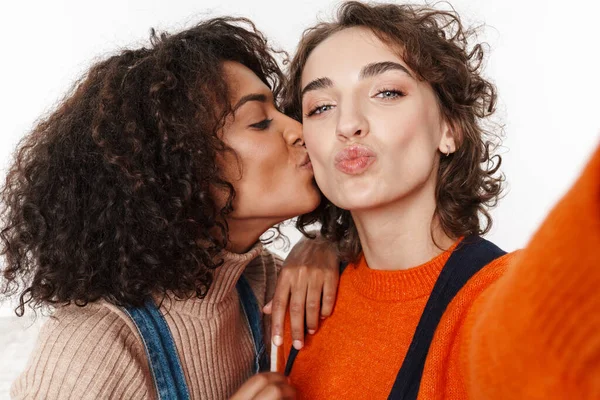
109	197
435	45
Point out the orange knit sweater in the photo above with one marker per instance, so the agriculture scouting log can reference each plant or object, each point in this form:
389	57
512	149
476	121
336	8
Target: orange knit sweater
526	326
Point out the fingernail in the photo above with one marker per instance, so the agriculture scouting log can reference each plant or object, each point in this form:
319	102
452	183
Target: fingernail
277	340
323	317
297	344
311	331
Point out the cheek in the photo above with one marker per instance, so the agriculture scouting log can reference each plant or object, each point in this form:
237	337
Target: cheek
319	138
406	141
251	165
410	130
261	166
319	150
262	161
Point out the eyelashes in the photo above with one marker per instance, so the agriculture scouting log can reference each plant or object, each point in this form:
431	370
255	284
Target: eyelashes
319	109
262	125
384	94
389	94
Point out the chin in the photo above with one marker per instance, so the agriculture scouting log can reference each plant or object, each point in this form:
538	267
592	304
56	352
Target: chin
312	197
312	202
298	205
356	201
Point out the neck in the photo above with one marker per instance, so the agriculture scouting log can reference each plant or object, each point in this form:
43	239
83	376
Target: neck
402	234
244	233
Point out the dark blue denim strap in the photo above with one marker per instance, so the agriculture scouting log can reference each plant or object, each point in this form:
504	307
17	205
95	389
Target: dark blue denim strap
160	348
165	366
253	315
470	256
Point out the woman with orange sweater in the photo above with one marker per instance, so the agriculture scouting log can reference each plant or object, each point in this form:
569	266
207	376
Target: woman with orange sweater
393	103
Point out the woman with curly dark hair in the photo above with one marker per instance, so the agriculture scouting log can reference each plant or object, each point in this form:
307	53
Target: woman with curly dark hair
394	105
134	212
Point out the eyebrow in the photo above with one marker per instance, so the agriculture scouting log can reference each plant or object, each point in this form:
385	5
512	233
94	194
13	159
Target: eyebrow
374	69
250	97
320	83
368	71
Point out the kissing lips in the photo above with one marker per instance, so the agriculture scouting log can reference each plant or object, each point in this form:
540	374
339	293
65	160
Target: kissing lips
354	159
305	164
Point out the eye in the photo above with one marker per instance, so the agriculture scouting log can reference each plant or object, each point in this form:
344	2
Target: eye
389	94
262	125
319	110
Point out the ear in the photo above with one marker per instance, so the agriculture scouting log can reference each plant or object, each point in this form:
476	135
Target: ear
448	141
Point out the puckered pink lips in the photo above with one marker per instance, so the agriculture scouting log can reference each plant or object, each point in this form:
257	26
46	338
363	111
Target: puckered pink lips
354	159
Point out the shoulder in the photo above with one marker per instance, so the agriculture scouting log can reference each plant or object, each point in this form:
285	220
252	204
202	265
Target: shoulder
481	287
100	323
494	270
85	352
469	299
481	283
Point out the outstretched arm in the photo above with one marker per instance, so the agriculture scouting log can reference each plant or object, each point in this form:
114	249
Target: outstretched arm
536	332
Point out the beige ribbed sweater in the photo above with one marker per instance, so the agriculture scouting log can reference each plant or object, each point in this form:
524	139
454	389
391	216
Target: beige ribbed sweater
95	352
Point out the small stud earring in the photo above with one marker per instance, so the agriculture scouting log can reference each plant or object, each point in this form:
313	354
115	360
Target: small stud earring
447	150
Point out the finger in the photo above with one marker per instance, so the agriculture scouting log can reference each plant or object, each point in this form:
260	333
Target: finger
256	384
278	309
330	287
297	304
279	391
268	308
313	305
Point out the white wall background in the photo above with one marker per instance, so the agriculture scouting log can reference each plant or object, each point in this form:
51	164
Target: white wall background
544	59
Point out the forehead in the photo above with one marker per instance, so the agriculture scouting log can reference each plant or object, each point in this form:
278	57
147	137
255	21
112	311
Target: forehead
346	52
242	81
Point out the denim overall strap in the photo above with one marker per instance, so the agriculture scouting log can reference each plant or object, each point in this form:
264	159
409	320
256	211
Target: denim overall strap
165	366
470	256
253	316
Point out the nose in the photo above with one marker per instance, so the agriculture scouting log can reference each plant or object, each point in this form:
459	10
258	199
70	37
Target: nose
292	132
351	122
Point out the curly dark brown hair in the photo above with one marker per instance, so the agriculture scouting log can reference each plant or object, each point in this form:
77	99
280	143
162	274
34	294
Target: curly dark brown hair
109	197
435	45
